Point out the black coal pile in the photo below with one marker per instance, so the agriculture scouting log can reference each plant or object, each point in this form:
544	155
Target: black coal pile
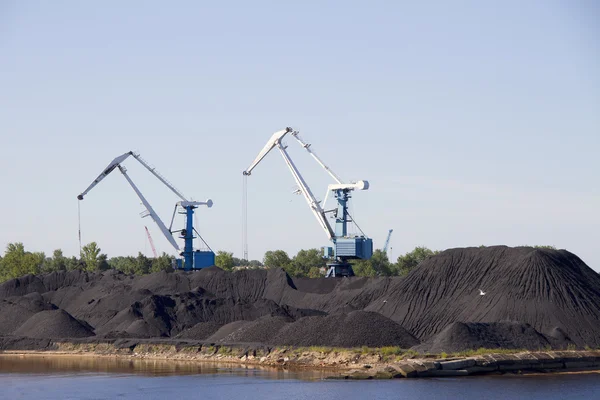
14	311
356	329
547	289
53	324
551	296
460	336
200	331
261	330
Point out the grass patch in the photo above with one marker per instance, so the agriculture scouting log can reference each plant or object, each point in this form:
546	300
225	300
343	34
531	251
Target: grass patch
391	351
482	351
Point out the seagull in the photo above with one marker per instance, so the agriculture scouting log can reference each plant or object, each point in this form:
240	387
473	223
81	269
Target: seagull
481	292
385	301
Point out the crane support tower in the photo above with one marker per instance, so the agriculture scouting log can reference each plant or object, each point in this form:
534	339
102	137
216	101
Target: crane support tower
345	247
192	259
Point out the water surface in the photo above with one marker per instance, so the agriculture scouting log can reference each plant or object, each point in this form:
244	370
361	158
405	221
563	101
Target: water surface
101	378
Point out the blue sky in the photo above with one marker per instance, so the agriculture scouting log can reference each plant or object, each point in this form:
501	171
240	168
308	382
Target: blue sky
475	122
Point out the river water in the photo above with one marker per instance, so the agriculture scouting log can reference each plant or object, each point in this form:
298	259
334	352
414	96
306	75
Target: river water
58	377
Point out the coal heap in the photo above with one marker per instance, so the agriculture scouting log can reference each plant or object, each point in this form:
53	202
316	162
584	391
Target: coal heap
534	298
545	288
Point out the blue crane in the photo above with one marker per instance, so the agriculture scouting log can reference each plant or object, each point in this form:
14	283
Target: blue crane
192	259
387	241
345	247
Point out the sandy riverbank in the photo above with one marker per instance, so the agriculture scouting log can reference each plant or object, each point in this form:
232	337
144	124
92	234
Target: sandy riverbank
360	363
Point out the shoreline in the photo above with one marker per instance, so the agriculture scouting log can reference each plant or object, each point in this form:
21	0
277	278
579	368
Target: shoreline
362	363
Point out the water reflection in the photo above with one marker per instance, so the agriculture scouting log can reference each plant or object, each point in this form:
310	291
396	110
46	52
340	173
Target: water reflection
69	364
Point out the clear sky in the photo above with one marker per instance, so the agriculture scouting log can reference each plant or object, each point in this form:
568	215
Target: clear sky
475	122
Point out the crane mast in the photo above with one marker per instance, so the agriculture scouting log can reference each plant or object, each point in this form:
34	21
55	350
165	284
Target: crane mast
345	247
191	259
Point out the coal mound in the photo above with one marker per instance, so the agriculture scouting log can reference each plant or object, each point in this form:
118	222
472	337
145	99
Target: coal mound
356	329
56	324
544	288
226	330
551	294
261	330
200	331
460	336
14	311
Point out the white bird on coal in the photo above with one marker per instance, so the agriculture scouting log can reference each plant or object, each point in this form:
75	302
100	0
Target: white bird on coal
481	292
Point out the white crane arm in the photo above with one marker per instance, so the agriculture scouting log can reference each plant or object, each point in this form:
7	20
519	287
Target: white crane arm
275	139
159	176
113	164
151	212
312	153
314	205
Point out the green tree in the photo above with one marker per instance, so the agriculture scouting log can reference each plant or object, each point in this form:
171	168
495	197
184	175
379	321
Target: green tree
240	262
307	259
90	256
315	272
164	262
363	268
142	264
410	260
73	263
127	264
103	263
380	263
58	262
277	259
18	262
224	260
255	264
377	265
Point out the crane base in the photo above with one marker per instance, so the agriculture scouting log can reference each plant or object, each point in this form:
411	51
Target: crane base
338	270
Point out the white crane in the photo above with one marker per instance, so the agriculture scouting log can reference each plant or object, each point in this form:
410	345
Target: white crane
189	206
345	247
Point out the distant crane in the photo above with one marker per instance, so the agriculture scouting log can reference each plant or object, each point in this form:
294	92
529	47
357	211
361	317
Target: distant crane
192	259
345	247
151	242
387	241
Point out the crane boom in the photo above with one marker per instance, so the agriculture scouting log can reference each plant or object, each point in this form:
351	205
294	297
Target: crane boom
387	241
151	211
158	175
273	141
312	153
110	168
314	205
117	161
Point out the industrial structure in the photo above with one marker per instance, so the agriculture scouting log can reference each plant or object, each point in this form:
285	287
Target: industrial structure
387	241
151	242
192	258
345	246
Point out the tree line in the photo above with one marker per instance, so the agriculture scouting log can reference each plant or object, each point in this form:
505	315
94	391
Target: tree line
309	263
17	261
